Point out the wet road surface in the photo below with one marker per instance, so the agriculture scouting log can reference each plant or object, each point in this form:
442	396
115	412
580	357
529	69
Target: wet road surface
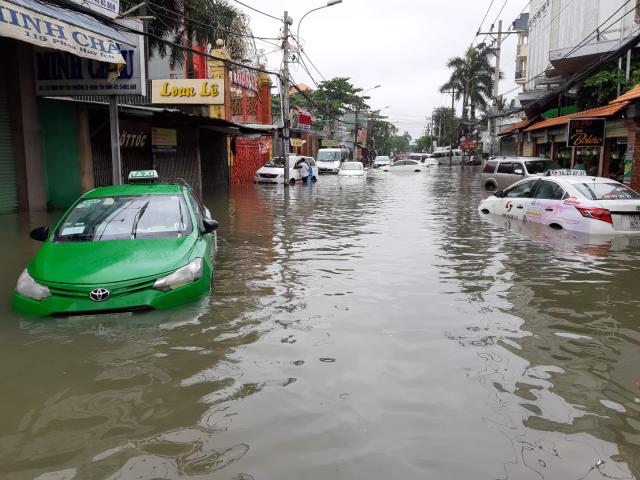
359	329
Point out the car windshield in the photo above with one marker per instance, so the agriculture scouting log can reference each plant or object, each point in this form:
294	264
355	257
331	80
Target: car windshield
540	166
352	166
328	156
126	217
606	191
275	162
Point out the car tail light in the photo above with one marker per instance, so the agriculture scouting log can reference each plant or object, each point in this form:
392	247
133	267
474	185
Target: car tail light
596	213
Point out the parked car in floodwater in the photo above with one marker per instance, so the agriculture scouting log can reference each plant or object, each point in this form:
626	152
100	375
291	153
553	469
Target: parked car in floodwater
570	200
121	248
352	169
273	170
500	172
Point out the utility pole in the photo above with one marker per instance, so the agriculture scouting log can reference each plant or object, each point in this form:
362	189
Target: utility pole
114	125
285	97
355	138
498	37
453	116
496	84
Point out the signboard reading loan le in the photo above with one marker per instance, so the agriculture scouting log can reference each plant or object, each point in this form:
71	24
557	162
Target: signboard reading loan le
193	92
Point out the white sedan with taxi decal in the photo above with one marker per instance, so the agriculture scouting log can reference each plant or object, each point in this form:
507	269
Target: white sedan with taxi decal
571	200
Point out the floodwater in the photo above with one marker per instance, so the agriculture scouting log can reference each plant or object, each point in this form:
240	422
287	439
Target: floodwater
359	329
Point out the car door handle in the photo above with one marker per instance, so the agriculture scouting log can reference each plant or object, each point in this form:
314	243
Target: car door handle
548	209
519	206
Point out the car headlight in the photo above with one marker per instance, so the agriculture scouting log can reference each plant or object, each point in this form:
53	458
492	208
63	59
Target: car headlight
28	287
281	176
181	277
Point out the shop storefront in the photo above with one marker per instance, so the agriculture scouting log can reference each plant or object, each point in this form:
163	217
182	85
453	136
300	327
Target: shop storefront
40	147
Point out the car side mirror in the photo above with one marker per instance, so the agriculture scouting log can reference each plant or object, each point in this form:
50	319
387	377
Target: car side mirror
518	171
210	225
40	234
499	194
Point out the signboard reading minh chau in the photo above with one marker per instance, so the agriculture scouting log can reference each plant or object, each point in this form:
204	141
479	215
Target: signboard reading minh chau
586	132
194	92
44	31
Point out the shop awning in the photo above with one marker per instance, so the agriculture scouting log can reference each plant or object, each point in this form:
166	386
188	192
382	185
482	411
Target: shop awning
50	26
633	94
598	112
516	127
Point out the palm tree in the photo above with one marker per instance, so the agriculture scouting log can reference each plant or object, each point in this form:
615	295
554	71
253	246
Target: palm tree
472	79
184	22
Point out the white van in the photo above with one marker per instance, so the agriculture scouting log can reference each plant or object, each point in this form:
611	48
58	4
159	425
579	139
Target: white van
442	156
331	159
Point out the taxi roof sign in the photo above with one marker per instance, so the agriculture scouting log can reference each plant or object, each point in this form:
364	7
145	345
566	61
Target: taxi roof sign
566	171
143	175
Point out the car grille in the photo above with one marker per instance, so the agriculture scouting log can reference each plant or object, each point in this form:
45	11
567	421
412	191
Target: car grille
268	175
82	291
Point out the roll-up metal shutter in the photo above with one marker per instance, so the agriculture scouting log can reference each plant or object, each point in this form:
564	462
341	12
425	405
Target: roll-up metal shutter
8	193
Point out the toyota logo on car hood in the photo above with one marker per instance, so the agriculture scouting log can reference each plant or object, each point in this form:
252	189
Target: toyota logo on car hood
99	294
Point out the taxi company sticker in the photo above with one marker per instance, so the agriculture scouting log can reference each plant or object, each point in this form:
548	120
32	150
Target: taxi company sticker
573	201
533	213
508	206
88	203
72	230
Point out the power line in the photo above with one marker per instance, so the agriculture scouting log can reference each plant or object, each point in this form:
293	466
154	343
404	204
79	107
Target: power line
482	22
257	11
301	50
189	49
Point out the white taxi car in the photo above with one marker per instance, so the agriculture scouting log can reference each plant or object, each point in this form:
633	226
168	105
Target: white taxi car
571	200
352	169
405	165
273	171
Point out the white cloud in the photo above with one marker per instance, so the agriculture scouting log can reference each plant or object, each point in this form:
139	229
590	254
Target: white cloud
401	44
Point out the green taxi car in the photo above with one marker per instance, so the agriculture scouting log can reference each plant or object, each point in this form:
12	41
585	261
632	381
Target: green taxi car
121	248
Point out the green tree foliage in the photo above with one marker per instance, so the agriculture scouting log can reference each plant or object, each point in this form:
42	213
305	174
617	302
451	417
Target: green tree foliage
424	143
202	21
400	143
472	79
382	133
602	87
335	97
442	124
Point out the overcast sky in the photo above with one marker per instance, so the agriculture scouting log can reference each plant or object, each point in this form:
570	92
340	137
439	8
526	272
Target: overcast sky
403	45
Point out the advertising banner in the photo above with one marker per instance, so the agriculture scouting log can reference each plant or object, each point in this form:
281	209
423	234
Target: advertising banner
183	92
108	8
43	30
586	132
63	74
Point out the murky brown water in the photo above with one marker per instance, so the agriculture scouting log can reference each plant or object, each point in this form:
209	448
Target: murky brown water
359	330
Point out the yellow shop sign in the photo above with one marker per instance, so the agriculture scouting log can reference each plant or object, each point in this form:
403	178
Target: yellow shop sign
194	92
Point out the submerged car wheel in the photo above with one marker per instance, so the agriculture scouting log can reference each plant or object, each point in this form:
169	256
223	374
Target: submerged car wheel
489	186
292	181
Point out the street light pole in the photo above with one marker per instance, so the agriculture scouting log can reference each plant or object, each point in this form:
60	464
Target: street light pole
330	3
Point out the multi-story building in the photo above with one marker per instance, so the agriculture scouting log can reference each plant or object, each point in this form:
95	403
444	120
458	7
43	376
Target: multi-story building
564	36
521	26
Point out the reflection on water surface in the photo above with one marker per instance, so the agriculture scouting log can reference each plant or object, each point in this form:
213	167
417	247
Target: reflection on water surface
359	328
